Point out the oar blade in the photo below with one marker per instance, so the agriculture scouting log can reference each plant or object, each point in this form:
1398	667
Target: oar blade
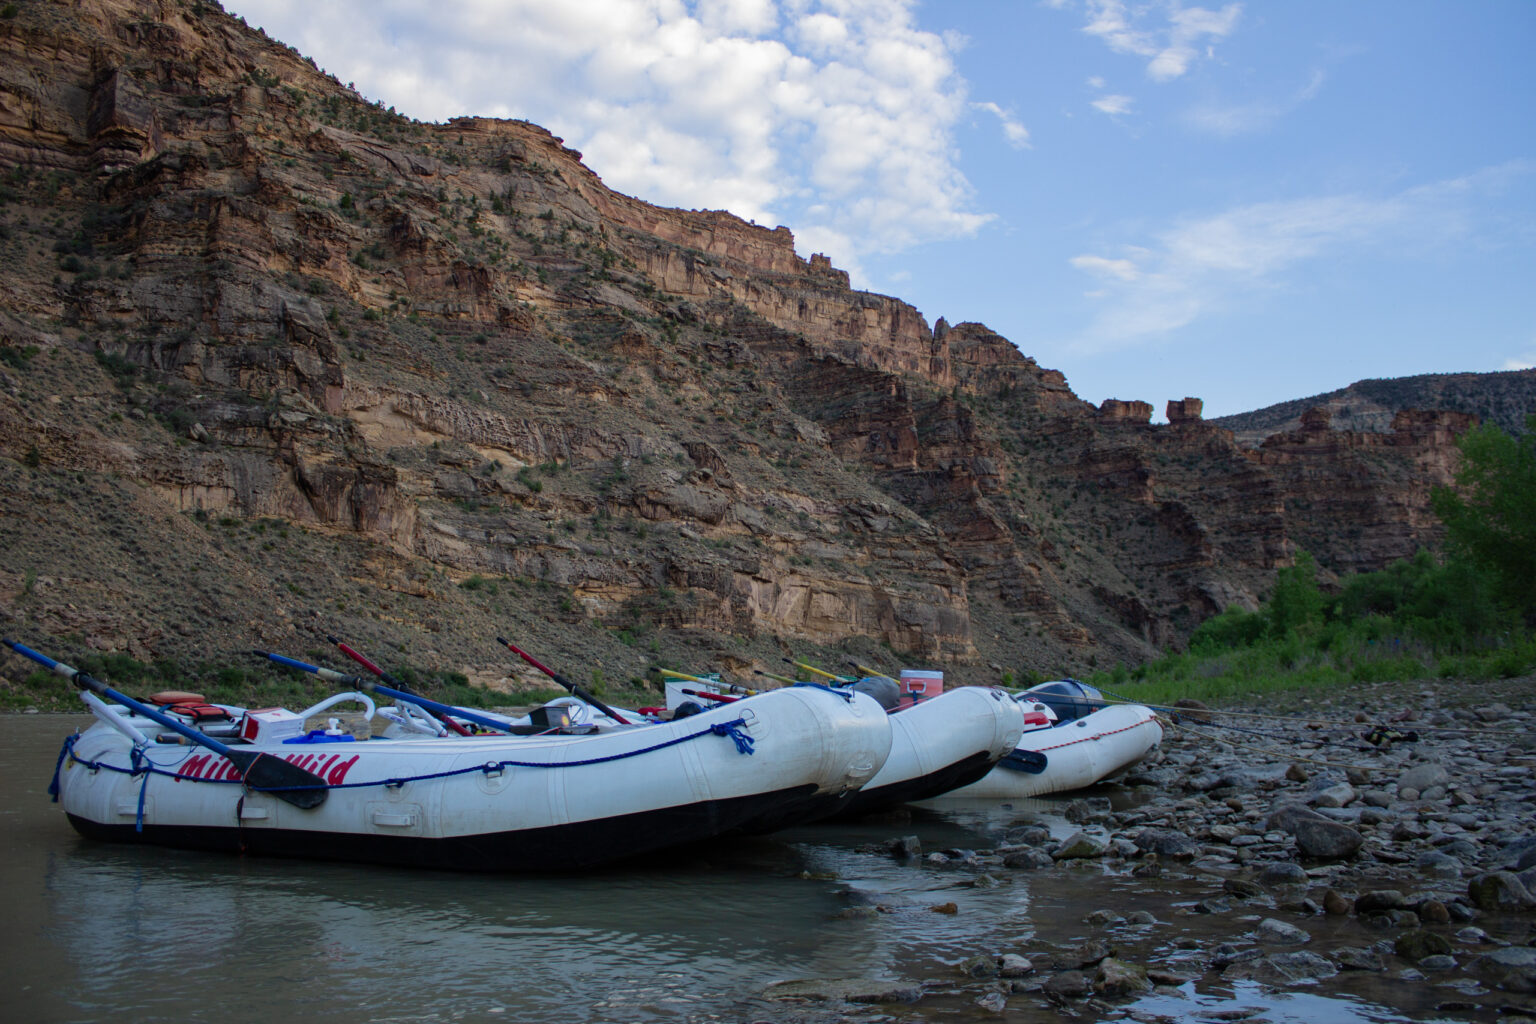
287	782
1031	762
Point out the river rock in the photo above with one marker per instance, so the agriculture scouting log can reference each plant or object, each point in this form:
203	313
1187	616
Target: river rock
1027	860
1507	958
1272	929
1281	969
1303	964
1499	890
1326	840
1283	872
1118	978
1011	965
1422	777
993	1002
1079	846
1512	969
1029	835
1379	901
1434	862
1416	945
1243	890
1285	817
978	966
1433	911
848	990
1518	855
1167	843
1067	984
1339	795
1336	905
1353	958
1192	709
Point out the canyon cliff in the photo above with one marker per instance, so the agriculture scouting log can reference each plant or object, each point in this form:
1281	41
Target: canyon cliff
278	361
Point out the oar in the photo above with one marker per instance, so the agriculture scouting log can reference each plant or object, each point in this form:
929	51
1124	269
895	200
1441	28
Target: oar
770	675
728	687
575	690
1031	762
718	698
362	683
392	681
818	671
867	670
263	772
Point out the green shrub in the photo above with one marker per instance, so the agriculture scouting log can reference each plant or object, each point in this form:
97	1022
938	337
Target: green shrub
1232	628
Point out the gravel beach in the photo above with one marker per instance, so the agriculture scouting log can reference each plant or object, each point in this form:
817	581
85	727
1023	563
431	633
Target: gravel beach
1377	841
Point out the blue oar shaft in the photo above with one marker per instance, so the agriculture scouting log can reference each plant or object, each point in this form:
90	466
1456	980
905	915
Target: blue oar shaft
262	771
86	682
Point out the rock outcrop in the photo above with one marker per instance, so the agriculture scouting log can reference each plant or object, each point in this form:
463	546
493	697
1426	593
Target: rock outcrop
282	354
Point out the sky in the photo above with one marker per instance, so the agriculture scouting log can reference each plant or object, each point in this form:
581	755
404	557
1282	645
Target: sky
1244	202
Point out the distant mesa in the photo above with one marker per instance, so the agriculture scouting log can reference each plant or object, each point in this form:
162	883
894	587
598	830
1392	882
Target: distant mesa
1185	410
1118	411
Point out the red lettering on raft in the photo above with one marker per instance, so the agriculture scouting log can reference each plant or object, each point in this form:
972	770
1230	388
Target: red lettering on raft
338	774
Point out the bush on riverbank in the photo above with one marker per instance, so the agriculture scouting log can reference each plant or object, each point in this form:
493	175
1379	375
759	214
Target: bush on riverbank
1468	615
1417	619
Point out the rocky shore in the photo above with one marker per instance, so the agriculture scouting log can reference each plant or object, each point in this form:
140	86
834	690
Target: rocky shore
1378	843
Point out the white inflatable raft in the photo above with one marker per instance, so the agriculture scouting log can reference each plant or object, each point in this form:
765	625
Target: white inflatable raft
482	803
1058	753
941	744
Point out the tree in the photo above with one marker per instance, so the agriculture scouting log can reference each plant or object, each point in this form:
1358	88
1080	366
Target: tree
1490	515
1296	603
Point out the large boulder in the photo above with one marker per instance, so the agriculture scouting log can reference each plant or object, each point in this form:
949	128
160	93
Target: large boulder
1499	890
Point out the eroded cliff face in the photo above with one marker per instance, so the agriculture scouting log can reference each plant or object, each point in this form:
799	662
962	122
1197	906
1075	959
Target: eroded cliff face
296	360
1356	500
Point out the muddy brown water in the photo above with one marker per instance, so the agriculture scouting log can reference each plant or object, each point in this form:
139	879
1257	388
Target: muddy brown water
97	931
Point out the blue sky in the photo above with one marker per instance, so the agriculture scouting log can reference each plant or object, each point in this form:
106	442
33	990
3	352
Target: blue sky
1243	202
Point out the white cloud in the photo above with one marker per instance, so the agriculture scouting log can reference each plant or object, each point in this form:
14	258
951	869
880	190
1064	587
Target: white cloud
1167	33
1201	265
1013	130
1527	361
1124	269
1238	119
835	117
1113	105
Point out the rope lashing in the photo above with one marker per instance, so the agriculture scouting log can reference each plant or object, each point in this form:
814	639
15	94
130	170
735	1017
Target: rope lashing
65	751
732	729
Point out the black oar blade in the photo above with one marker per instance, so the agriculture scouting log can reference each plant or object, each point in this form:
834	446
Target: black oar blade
267	773
1030	761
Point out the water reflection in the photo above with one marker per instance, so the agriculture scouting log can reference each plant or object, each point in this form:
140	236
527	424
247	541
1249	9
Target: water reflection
360	943
96	931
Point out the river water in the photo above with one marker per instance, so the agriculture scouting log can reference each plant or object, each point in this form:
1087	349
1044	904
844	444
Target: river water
97	931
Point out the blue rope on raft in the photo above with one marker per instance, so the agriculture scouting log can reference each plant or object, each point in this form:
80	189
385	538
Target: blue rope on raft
67	750
732	729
